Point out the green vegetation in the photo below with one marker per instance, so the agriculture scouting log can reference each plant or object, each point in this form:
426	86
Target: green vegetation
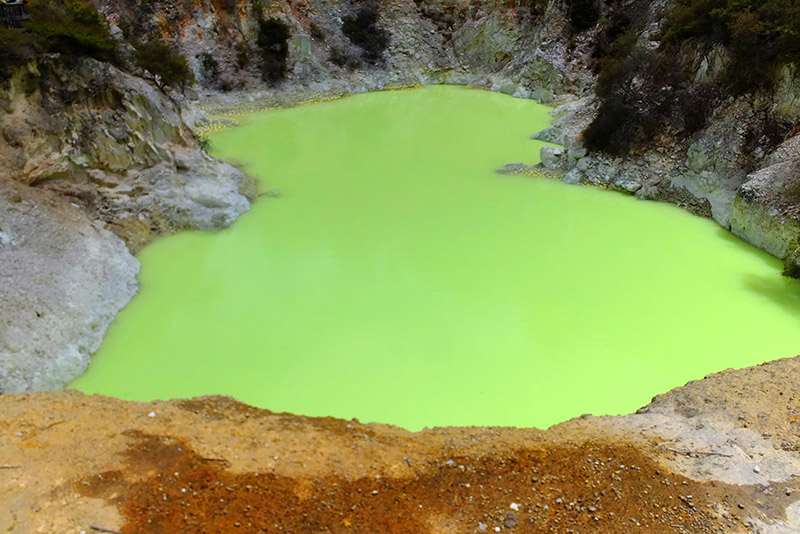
273	35
761	35
71	28
168	66
644	91
16	48
625	119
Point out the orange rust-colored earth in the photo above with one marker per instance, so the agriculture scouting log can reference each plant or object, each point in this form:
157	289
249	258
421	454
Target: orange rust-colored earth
716	456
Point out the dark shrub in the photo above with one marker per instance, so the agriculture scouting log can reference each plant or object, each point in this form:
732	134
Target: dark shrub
317	32
762	35
364	32
209	66
696	104
228	6
535	8
695	18
16	48
616	127
271	41
583	14
242	54
168	66
343	59
71	27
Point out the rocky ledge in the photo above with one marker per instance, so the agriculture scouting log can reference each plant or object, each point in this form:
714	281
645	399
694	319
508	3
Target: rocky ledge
93	159
718	455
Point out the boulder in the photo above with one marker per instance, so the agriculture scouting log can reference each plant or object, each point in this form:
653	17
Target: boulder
552	158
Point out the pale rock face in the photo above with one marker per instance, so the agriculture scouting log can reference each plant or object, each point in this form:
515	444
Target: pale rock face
758	214
114	155
206	195
65	279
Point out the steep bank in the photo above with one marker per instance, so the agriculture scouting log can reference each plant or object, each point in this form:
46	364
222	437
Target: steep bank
91	155
718	455
682	112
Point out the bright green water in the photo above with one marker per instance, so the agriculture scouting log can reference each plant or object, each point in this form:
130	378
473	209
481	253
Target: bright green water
399	279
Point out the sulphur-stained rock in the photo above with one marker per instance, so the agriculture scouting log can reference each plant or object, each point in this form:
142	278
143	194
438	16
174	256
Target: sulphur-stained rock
699	459
64	279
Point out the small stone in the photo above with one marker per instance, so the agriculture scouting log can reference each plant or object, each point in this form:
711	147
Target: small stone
514	506
573	177
482	527
511	520
584	164
756	469
577	153
497	529
559	500
551	157
151	414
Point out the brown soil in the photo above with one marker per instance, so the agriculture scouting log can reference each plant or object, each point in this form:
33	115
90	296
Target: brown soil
580	487
71	462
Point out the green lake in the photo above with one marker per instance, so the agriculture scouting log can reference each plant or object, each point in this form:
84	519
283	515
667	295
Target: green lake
397	278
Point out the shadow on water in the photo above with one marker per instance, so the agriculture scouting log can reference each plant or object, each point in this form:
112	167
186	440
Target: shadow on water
770	260
785	292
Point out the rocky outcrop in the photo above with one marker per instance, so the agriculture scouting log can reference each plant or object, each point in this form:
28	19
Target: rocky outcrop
767	207
89	152
759	214
117	146
518	50
706	150
716	456
65	277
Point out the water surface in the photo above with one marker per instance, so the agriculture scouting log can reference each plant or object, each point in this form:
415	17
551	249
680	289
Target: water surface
399	279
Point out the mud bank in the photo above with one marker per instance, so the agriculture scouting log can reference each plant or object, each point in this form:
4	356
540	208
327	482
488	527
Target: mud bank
212	464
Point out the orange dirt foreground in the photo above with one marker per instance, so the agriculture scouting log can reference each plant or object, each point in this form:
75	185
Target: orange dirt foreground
718	455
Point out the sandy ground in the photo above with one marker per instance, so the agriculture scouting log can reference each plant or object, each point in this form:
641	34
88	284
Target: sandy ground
72	463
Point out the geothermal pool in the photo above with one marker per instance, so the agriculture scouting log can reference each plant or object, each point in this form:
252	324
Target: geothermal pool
398	279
